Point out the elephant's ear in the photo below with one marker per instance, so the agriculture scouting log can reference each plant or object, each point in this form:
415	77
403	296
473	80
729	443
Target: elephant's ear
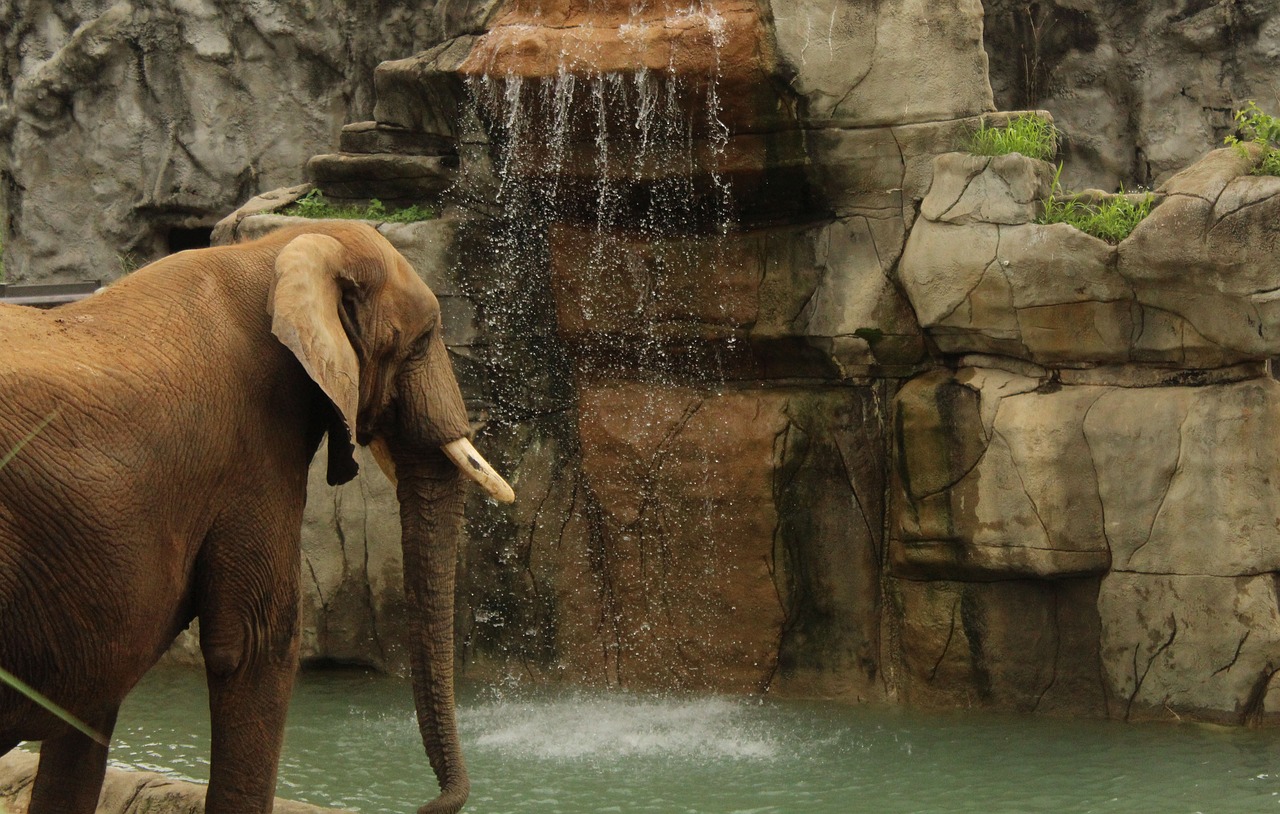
304	303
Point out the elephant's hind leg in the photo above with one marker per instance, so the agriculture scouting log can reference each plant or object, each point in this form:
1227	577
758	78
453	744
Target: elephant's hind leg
72	765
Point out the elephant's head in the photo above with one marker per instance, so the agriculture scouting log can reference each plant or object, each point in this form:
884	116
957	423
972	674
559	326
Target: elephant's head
367	330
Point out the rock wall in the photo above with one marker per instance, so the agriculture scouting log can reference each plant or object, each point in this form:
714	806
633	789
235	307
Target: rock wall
129	128
1104	425
1141	89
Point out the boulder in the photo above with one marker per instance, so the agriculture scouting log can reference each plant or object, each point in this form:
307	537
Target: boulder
125	792
1004	189
1204	256
993	480
1192	286
1175	644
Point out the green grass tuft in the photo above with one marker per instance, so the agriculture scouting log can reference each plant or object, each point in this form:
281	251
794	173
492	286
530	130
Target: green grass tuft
1028	134
1112	219
315	205
1254	126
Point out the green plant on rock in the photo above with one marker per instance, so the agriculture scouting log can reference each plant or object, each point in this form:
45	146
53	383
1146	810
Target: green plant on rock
1111	219
315	205
1260	128
1031	135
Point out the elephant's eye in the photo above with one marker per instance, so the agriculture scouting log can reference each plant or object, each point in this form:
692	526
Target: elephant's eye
418	348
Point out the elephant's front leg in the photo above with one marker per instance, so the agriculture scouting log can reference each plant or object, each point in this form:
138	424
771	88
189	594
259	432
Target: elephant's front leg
72	766
249	638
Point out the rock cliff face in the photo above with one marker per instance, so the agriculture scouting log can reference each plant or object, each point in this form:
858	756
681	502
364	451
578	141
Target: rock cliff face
797	398
1104	426
130	128
1141	88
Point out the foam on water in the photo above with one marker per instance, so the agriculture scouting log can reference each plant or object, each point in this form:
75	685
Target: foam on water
617	726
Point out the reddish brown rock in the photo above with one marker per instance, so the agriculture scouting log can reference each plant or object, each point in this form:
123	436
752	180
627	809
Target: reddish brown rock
722	42
684	480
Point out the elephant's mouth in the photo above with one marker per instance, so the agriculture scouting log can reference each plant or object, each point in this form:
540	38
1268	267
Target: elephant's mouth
464	456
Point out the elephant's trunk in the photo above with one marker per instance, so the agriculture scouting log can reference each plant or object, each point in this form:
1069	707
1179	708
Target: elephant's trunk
430	490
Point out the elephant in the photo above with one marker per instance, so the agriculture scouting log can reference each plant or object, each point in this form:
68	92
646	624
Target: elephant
159	434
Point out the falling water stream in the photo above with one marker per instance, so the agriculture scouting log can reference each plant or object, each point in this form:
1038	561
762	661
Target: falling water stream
352	742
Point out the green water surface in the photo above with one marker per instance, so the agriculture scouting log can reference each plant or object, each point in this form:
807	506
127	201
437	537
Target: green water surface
352	742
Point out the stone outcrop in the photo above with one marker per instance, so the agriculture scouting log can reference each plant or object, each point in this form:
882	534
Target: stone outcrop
1109	419
124	792
1053	295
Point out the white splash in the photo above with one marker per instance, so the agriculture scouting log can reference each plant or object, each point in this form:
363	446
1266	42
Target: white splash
612	727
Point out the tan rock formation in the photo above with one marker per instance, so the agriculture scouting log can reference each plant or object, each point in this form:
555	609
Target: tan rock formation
1191	287
124	792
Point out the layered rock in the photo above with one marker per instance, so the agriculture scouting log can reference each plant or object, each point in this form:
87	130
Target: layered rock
1119	437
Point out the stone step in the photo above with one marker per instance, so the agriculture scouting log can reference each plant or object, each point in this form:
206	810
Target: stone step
376	138
386	177
425	93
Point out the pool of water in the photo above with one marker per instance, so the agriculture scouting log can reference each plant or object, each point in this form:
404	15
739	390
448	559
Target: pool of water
352	742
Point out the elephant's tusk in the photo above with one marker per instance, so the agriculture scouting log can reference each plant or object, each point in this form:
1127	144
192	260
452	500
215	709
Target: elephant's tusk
382	454
462	453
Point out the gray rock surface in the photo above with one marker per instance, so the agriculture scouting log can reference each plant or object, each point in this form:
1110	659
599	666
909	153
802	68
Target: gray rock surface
1141	89
123	125
839	60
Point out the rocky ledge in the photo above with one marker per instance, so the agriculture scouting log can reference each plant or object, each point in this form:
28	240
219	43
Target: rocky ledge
1108	418
124	792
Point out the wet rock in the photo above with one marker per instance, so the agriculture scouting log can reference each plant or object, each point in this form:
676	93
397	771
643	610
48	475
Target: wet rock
713	569
424	93
1025	645
720	45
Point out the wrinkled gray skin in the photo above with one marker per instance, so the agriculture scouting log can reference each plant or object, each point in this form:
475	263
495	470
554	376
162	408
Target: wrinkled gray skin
183	406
